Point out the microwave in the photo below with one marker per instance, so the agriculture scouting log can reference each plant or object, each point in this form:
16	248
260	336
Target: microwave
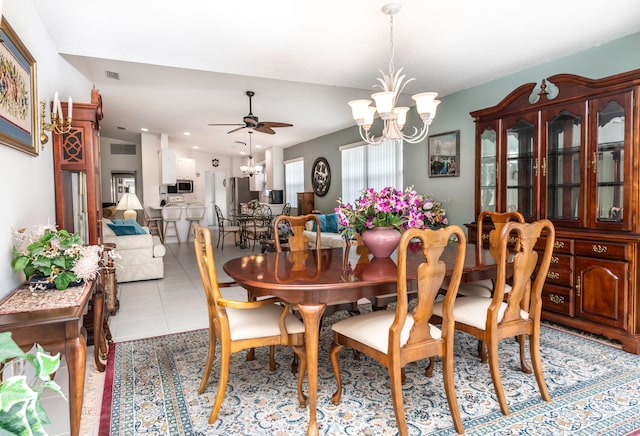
182	186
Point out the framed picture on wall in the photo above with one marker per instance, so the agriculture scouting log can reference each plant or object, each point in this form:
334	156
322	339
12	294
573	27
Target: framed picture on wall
444	154
18	100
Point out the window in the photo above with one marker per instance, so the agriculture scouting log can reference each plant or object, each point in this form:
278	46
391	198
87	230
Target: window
370	166
293	179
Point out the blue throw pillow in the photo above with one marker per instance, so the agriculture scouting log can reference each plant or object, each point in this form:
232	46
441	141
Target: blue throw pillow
323	223
126	227
332	223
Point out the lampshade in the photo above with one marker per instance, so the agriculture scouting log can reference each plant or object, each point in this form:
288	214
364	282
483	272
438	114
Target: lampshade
129	203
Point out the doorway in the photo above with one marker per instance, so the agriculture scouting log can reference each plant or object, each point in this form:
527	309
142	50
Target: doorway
215	194
122	182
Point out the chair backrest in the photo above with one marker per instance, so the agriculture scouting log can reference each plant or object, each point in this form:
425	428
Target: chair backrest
195	211
499	219
525	266
286	209
430	276
171	213
297	240
206	265
219	217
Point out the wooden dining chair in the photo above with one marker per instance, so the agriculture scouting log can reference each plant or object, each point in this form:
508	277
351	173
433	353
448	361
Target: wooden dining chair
241	325
397	337
491	319
484	288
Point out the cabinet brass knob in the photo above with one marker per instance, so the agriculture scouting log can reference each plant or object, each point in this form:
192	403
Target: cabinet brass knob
558	244
599	248
553	275
578	288
556	299
554	259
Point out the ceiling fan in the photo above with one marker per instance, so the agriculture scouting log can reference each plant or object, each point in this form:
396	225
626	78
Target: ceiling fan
251	122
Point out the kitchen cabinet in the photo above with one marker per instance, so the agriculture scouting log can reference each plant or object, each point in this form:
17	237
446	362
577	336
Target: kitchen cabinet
274	162
568	151
168	168
185	168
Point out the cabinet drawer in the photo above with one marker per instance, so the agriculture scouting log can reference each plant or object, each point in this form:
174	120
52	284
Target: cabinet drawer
558	299
560	245
560	275
605	250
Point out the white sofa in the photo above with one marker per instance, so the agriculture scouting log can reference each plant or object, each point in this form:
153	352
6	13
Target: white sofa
328	239
139	257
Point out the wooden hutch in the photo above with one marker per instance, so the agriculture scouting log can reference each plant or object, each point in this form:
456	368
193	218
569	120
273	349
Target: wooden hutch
569	150
76	161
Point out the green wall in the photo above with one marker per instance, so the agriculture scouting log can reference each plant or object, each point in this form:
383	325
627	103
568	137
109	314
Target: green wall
453	114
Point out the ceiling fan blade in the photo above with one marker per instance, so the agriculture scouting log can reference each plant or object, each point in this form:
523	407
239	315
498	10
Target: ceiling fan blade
239	128
264	129
274	124
218	124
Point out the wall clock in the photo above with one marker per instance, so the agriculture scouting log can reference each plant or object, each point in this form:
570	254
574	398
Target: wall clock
215	162
320	176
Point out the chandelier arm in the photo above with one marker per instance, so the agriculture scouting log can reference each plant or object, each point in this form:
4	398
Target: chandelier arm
369	138
417	137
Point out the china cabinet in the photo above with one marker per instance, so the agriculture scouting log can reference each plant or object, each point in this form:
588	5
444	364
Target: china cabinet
306	203
568	150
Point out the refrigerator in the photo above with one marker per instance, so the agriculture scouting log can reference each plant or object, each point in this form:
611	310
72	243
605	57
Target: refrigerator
239	193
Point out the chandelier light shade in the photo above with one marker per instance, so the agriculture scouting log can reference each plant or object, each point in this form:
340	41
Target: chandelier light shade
250	169
129	203
394	117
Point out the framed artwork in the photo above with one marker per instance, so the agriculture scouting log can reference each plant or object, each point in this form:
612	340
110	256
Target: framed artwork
320	176
18	100
444	154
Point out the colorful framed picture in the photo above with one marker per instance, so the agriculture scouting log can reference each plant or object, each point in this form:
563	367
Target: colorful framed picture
18	99
444	154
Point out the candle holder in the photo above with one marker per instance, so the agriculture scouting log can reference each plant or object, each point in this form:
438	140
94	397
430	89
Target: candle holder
58	123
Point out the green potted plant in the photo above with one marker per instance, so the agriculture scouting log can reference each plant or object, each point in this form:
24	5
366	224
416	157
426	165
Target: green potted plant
21	412
56	256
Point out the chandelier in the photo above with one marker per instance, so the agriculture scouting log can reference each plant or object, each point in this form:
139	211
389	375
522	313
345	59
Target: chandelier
250	169
393	117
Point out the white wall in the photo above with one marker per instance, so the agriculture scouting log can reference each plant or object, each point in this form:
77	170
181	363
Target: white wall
28	192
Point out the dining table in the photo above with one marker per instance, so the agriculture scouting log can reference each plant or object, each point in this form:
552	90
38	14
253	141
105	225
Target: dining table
310	279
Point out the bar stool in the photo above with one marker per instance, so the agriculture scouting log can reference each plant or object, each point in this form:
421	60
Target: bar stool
154	223
171	215
194	214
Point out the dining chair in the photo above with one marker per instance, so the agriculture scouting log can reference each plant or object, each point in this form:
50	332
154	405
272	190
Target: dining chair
259	227
484	288
194	213
241	325
286	209
170	216
397	337
491	319
225	229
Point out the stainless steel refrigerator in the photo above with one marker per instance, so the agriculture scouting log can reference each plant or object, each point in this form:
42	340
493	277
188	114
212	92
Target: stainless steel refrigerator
240	193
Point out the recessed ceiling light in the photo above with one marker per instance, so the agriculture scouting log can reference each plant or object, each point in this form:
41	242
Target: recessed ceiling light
243	152
258	146
144	129
196	147
187	134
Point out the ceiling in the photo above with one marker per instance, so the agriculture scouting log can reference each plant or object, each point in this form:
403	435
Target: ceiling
182	65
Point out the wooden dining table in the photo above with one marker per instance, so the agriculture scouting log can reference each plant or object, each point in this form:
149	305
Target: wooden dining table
311	279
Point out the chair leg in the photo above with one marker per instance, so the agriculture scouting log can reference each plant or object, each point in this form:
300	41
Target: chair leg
334	352
302	369
211	355
534	344
494	366
523	358
272	357
429	371
450	390
395	379
222	383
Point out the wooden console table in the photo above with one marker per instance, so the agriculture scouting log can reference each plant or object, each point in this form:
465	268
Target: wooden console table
53	319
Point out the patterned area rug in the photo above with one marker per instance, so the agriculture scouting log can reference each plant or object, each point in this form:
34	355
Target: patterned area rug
151	388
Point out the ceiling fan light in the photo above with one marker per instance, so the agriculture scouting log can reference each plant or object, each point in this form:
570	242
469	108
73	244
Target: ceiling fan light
384	103
359	109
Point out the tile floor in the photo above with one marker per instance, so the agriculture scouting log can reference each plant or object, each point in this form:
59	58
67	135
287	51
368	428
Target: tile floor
149	308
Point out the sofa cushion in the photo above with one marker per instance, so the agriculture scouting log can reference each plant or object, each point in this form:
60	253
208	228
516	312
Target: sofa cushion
126	227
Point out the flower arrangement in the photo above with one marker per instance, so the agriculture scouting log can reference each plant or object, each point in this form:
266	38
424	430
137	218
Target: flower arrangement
57	255
390	207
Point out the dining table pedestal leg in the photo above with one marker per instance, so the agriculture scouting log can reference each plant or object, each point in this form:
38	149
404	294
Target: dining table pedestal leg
311	316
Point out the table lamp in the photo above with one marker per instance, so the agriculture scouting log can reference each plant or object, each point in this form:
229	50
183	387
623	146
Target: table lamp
129	203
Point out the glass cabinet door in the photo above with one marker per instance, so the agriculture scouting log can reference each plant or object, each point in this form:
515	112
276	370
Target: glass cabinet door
607	162
562	164
488	165
521	165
